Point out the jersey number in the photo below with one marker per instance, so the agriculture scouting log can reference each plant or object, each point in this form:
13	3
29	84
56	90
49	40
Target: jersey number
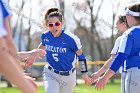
55	56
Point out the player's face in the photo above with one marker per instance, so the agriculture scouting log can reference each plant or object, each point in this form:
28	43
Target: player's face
55	26
121	26
131	20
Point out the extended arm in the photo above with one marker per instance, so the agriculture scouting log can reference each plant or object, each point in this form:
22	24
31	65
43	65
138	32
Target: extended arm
83	66
103	69
35	53
118	61
11	47
13	71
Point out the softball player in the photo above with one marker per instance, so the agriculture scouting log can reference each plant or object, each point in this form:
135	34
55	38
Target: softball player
129	51
122	26
62	48
8	66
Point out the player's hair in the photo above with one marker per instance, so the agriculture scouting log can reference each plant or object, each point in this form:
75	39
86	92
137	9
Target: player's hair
135	8
122	19
52	12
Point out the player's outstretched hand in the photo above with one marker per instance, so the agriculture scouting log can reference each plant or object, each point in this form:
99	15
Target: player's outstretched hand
95	76
100	83
32	81
29	62
36	53
87	79
32	55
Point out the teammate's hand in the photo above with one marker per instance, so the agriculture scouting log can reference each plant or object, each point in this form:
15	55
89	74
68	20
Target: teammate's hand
95	76
101	82
32	81
29	62
32	55
36	53
87	79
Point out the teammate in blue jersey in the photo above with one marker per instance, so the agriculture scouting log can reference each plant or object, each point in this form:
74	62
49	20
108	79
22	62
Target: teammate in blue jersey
62	50
129	52
122	26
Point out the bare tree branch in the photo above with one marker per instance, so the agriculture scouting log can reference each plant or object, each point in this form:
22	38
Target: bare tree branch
28	46
18	17
98	11
113	22
21	28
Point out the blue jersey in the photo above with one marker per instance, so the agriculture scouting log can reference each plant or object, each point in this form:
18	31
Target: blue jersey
130	45
3	14
61	51
129	49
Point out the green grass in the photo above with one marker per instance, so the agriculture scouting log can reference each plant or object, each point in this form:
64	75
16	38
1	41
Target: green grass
91	89
81	88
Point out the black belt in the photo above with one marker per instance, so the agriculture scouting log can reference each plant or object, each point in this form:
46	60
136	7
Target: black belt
64	73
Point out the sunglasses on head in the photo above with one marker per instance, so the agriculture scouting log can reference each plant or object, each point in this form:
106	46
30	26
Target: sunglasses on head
52	24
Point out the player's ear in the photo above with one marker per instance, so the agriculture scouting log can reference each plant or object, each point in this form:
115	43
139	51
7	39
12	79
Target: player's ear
62	23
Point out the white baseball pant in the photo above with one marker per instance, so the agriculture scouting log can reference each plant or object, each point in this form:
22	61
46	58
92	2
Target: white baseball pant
55	83
132	81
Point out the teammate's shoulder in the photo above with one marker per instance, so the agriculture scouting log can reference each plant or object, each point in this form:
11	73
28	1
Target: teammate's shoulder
136	29
132	29
119	38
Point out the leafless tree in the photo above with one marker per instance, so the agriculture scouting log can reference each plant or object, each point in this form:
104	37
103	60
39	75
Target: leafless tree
92	34
62	6
114	13
18	17
21	27
28	46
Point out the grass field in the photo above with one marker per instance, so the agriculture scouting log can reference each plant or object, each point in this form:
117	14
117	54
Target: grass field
80	88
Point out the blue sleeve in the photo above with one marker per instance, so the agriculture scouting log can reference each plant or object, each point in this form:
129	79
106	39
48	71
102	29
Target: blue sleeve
42	39
4	11
81	57
118	61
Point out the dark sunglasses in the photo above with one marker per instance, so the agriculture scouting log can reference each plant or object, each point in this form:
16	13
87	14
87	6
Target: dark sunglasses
52	24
